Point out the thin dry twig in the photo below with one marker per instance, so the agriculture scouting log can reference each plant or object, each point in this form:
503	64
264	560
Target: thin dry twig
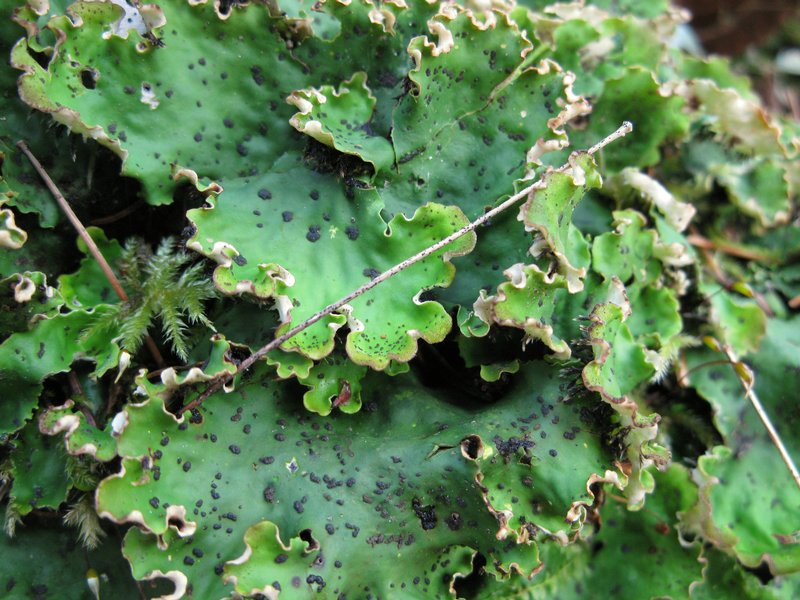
626	128
77	390
113	218
93	249
747	381
695	239
724	280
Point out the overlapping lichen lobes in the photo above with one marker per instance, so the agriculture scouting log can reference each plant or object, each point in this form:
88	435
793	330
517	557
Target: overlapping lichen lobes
49	347
332	141
39	470
601	46
80	437
619	364
403	491
664	567
762	526
52	339
335	382
476	109
19	186
748	155
618	368
458	67
192	101
340	118
527	301
300	239
656	115
632	554
548	212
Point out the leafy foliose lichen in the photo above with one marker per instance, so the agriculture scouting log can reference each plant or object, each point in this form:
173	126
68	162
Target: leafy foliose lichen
555	404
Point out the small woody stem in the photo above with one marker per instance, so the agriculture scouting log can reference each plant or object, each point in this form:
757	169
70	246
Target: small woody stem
275	343
93	249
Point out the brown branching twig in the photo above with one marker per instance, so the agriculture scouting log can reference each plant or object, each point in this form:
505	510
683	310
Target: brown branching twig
275	343
93	249
718	274
697	240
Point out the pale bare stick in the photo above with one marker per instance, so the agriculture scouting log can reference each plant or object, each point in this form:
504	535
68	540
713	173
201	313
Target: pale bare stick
93	249
263	351
747	384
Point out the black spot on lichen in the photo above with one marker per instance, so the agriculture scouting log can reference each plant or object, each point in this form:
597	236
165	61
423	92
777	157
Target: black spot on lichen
352	232
40	353
510	446
227	122
269	494
264	194
187	466
312	579
425	514
371	273
453	521
314	195
240	260
234	449
287	216
313	233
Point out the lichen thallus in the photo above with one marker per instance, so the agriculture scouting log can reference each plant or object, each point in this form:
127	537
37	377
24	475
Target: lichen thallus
539	184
